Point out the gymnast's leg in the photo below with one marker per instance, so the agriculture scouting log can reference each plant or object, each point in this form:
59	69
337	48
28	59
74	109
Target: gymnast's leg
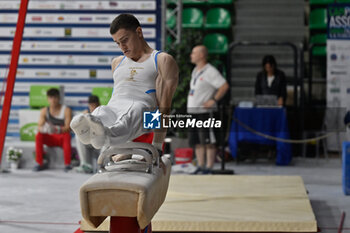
126	127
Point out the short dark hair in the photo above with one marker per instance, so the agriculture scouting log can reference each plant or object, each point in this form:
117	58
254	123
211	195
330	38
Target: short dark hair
53	92
269	59
124	21
93	99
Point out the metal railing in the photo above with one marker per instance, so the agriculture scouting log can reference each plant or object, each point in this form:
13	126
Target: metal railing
310	81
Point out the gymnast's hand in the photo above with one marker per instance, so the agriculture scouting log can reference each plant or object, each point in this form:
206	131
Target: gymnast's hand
208	104
162	165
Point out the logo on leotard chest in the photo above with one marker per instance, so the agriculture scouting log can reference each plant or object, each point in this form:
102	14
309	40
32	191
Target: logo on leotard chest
133	72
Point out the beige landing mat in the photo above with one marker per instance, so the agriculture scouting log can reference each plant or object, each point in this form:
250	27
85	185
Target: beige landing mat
234	204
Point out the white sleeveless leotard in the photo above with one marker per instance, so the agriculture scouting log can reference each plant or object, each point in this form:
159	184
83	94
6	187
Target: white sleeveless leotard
134	92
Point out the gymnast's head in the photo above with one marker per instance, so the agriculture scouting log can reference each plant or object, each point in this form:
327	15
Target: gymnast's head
127	34
53	97
93	102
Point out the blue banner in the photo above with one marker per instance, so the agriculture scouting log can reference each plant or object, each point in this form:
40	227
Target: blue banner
338	21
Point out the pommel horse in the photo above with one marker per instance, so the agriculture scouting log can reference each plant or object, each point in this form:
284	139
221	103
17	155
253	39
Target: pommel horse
130	191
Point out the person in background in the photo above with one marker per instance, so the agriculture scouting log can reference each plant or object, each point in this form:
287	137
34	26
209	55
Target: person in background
87	153
93	103
271	81
207	87
53	130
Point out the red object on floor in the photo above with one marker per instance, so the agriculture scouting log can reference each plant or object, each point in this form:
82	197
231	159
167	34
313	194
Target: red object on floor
61	140
78	231
183	155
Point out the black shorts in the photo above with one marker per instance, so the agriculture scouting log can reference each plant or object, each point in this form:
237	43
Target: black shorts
202	136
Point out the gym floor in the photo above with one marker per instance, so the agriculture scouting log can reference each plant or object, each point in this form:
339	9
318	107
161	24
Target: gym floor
48	201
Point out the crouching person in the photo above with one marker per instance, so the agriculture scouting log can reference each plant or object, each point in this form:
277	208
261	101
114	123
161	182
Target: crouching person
53	130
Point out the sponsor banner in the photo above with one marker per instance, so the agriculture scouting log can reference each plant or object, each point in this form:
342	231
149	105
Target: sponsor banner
75	88
13	114
76	32
73	101
71	46
68	32
20	100
81	5
339	21
338	68
91	74
338	55
8	18
28	124
35	32
61	73
61	18
76	101
338	80
13	128
148	33
11	5
59	60
93	5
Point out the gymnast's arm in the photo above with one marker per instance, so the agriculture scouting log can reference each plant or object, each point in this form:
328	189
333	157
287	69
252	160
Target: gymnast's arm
67	119
166	83
115	62
42	119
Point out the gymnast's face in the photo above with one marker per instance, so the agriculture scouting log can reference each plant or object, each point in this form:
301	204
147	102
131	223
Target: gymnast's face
53	101
129	41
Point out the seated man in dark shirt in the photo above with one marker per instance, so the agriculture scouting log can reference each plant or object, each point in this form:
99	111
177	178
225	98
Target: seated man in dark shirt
271	81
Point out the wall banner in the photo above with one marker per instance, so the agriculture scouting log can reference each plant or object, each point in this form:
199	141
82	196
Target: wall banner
338	56
68	43
338	70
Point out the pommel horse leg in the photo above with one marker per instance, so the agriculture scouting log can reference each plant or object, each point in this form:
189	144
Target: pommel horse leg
130	191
